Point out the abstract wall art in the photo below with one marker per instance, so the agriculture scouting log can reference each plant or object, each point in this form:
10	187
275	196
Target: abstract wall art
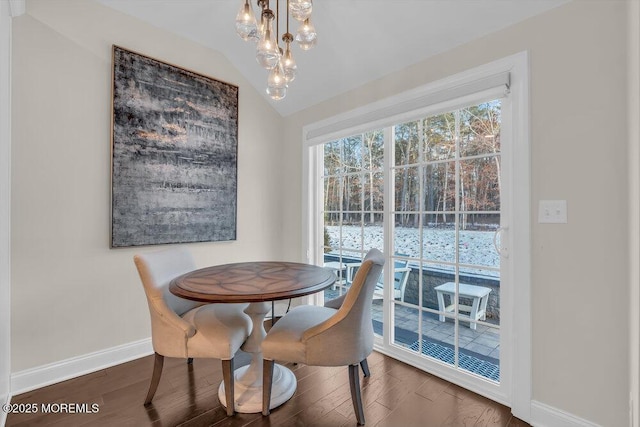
174	143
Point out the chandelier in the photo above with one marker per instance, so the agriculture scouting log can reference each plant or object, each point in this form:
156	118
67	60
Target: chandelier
281	65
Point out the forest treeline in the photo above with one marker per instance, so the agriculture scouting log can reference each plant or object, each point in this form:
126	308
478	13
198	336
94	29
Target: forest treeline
442	164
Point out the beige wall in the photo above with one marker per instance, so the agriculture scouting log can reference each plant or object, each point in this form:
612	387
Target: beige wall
580	314
71	294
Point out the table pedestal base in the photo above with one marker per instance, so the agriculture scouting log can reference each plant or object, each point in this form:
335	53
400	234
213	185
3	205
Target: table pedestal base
249	397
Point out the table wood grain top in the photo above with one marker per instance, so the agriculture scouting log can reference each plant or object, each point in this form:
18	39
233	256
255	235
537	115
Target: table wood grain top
252	282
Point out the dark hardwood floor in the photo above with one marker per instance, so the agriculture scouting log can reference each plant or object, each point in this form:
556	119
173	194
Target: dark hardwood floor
396	395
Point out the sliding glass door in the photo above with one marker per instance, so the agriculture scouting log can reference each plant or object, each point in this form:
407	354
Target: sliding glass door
438	179
446	215
427	192
353	204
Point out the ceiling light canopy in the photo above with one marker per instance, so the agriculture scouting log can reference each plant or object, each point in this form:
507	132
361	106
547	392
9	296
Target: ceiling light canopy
280	63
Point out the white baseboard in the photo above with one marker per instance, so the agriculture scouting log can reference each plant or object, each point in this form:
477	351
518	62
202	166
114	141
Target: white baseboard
31	379
547	416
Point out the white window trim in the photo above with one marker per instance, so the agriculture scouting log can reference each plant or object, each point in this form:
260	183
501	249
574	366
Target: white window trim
516	158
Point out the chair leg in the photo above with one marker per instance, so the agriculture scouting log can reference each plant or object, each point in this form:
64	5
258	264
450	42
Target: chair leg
365	367
190	361
267	379
158	363
227	376
356	397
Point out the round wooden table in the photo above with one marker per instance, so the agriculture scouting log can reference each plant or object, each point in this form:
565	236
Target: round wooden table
257	283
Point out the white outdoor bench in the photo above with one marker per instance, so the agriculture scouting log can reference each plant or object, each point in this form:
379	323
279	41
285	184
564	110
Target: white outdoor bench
479	295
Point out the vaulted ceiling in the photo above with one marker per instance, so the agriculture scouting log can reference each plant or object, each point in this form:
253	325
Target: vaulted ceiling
358	40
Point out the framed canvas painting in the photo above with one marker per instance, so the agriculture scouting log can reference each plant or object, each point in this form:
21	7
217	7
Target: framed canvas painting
174	146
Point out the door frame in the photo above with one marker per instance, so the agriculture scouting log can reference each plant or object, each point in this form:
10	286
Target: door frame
516	240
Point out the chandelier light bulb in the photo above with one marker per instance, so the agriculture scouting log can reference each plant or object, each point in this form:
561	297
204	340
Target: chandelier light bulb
277	93
276	79
306	35
267	51
300	9
288	63
260	31
246	26
277	83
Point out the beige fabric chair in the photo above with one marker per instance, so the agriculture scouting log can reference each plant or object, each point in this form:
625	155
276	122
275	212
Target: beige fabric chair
188	329
336	303
323	336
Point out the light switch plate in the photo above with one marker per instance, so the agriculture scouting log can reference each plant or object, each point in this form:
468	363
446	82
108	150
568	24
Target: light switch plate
552	212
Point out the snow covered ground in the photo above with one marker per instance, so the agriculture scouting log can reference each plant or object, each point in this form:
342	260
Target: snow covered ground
476	248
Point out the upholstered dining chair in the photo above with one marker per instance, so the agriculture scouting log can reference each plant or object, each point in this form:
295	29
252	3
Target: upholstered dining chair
336	303
188	329
324	336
